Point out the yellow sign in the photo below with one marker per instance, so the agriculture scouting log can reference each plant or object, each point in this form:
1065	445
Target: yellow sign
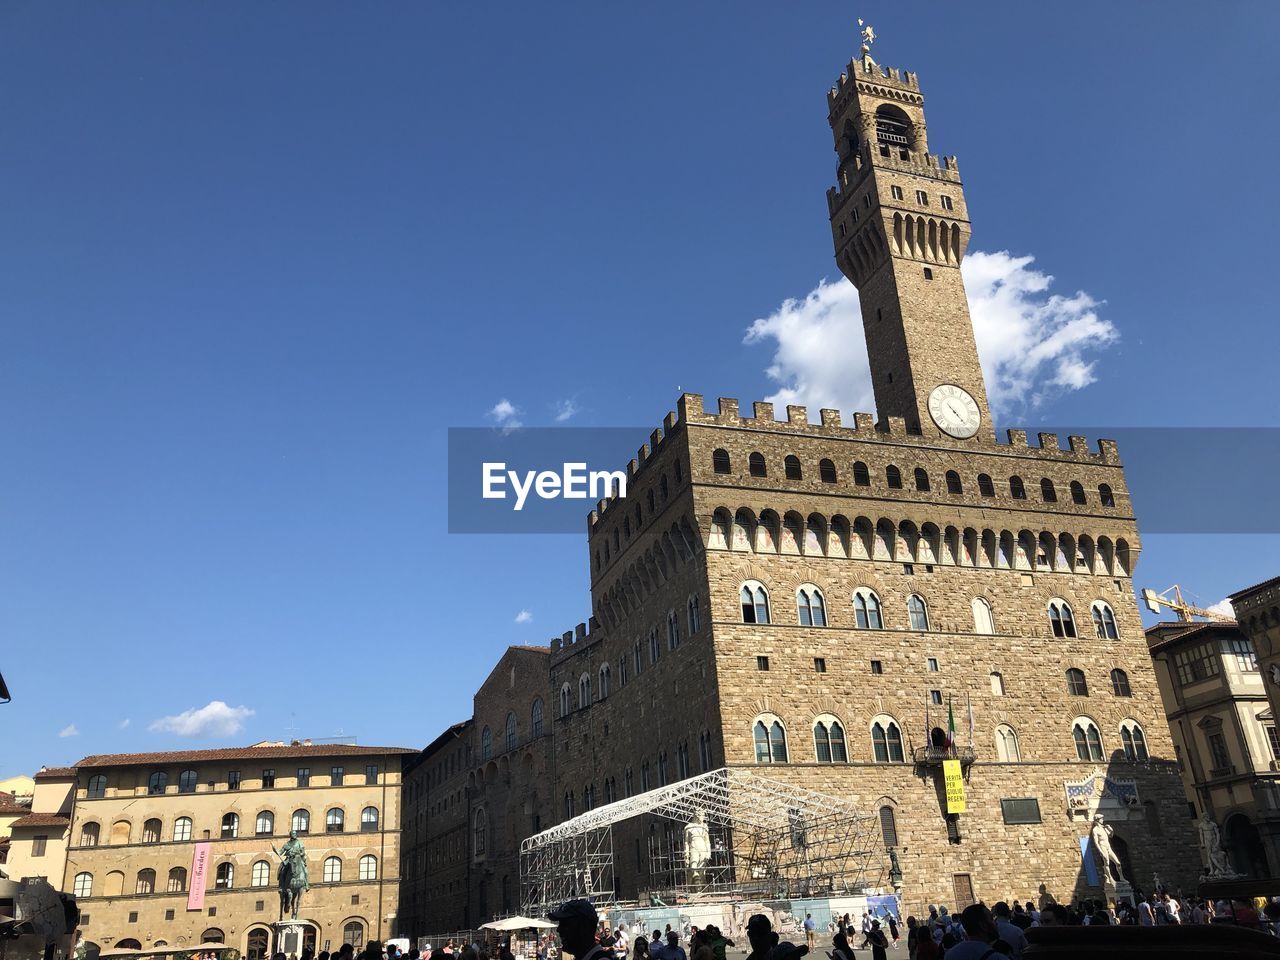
954	780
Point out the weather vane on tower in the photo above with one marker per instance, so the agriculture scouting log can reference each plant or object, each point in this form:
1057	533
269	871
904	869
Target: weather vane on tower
868	34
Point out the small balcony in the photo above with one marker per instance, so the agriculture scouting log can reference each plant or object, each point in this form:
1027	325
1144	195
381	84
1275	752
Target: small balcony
933	756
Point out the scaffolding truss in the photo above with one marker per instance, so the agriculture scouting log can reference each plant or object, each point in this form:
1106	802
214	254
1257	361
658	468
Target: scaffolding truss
728	834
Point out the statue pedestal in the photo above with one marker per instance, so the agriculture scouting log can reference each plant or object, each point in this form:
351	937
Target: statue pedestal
289	937
1121	891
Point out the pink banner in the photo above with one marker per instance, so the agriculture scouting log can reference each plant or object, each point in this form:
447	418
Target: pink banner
199	873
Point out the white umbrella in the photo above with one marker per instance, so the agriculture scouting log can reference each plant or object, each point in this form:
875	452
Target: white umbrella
518	923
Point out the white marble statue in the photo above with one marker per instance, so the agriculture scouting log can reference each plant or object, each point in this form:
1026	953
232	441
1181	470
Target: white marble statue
1211	840
1100	833
697	846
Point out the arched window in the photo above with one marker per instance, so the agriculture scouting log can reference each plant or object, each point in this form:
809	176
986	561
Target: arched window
1077	492
953	482
1133	741
888	827
146	882
983	622
259	944
826	471
1017	489
997	683
1007	744
695	616
886	741
120	832
1104	621
353	933
792	467
265	825
97	786
673	631
480	833
213	935
177	879
861	475
89	833
866	610
151	831
917	612
1120	683
1047	493
756	465
893	477
332	869
182	829
187	781
334	820
985	486
535	718
368	867
157	782
510	735
770	739
1061	621
224	876
369	820
1076	685
260	876
301	821
1088	741
230	826
83	885
128	943
720	461
1105	496
810	606
828	741
566	697
922	480
755	602
486	744
584	691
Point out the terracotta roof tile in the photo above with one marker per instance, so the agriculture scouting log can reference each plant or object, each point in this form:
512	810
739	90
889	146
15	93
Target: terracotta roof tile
42	820
1256	586
55	773
237	753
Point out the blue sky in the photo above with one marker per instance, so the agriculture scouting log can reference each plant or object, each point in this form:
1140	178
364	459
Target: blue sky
254	260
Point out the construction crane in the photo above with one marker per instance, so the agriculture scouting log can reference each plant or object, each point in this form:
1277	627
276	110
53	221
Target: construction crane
1184	610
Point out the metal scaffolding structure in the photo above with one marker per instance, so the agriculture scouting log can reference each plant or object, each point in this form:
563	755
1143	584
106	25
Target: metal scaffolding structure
728	834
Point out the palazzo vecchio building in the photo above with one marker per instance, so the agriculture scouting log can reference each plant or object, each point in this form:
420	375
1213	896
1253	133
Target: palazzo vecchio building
807	597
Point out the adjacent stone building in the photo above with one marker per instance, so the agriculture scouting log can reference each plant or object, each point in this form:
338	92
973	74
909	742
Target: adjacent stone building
145	824
816	598
1224	735
38	837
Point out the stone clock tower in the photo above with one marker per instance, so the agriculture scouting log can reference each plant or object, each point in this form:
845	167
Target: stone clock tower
901	226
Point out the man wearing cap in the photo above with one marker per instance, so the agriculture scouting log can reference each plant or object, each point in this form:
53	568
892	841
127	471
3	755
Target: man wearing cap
576	923
761	937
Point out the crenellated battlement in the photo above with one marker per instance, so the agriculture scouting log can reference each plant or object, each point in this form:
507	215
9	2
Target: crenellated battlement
890	430
575	640
888	82
853	171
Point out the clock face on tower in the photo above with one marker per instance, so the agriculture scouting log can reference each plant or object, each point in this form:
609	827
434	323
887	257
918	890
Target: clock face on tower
954	411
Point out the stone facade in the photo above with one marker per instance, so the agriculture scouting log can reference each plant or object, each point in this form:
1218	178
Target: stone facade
138	819
890	569
1224	735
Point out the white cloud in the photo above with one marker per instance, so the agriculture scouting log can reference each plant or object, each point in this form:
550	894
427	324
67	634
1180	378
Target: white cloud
69	731
125	722
1032	344
506	414
1223	607
524	616
566	409
214	719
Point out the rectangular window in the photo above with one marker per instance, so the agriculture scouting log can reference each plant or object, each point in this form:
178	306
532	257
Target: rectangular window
928	273
908	569
945	201
877	667
1246	659
844	229
866	201
233	779
38	845
268	779
1020	810
922	198
933	664
133	916
762	663
168	914
335	776
371	773
935	697
304	776
1274	740
1198	663
1218	751
820	666
895	192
